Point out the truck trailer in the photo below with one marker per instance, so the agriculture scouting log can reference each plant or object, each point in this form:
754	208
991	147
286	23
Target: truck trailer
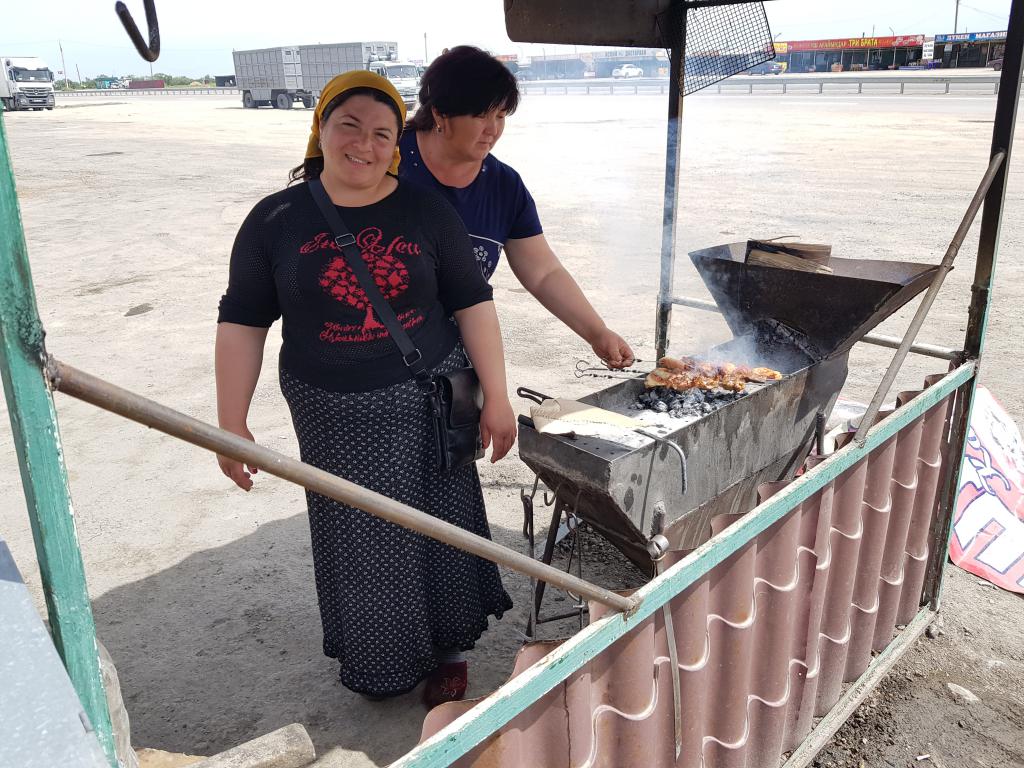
25	83
279	77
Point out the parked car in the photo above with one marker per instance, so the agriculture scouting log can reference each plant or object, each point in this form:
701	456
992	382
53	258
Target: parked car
997	64
767	68
628	70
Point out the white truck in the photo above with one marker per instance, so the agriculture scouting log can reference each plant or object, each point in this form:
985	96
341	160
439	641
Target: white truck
25	83
279	77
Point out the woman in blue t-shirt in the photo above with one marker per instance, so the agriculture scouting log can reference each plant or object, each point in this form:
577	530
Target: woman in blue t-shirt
465	95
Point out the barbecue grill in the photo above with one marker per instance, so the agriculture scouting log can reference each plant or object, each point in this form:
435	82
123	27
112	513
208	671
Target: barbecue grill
631	487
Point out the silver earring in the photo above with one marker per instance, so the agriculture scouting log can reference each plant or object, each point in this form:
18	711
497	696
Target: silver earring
439	129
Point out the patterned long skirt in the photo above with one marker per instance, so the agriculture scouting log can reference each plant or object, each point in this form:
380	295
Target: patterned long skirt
390	598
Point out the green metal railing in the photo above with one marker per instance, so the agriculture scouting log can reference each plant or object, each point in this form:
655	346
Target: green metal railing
519	694
41	460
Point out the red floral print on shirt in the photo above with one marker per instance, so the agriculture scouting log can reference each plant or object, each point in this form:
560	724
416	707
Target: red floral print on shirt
382	258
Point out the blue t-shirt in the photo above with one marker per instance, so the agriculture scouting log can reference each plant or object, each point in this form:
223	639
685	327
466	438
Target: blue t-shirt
495	208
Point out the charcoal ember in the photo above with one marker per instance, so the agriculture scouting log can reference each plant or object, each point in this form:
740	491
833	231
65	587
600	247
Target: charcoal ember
691	403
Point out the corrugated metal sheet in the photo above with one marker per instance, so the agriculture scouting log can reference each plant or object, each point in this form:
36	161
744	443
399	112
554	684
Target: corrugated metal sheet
765	640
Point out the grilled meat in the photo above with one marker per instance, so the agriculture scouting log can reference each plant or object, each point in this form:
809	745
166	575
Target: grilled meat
688	373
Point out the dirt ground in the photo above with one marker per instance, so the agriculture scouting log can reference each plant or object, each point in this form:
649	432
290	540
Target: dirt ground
204	595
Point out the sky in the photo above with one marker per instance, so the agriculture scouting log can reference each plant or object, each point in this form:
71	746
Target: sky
197	37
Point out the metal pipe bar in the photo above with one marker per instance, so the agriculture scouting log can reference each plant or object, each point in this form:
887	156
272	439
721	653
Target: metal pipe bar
83	386
44	479
458	738
929	298
878	339
675	20
1002	142
1007	104
928	350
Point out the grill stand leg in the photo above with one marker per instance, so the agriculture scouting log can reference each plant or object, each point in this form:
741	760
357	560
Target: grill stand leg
549	553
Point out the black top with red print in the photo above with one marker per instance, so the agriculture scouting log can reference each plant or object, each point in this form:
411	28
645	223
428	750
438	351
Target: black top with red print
285	263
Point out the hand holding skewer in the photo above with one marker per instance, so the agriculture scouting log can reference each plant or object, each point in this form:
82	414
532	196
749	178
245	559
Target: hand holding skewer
612	349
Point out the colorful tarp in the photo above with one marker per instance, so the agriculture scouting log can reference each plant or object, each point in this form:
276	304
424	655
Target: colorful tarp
988	532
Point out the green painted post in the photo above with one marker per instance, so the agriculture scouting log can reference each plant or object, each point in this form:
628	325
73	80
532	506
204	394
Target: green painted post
41	460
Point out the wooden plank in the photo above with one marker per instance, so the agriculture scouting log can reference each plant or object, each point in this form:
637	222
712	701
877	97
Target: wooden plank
856	693
41	461
499	708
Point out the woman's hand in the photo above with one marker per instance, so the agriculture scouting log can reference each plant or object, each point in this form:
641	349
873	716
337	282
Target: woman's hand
498	424
238	356
235	469
612	349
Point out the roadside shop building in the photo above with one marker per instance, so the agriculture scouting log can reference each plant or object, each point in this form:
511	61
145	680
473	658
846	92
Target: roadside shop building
969	49
850	53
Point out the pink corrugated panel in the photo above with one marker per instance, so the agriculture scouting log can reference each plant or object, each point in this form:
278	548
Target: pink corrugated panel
765	640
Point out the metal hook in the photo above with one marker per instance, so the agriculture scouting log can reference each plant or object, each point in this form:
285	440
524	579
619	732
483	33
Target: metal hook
674	447
532	394
522	491
548	502
149	52
650	470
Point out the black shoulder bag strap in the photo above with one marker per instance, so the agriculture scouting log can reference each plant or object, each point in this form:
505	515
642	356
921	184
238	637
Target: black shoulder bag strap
346	241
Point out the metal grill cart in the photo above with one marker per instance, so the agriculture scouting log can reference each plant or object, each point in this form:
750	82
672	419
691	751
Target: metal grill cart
777	604
759	643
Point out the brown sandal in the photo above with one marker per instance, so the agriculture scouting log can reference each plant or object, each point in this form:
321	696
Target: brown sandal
446	683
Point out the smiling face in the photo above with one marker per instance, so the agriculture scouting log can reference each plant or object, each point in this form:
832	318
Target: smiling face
472	137
358	142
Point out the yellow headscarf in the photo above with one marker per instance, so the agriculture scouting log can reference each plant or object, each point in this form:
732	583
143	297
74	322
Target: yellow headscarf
356	78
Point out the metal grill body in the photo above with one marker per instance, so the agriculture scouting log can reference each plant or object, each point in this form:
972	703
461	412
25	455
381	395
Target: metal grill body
629	487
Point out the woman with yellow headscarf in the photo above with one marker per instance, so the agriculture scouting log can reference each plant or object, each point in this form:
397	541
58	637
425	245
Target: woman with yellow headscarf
396	607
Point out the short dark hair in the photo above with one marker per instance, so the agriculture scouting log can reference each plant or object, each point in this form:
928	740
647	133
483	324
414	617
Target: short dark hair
312	167
464	81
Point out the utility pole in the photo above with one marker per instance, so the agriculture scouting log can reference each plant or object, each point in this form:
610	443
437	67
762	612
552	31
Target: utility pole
956	17
426	56
79	74
63	66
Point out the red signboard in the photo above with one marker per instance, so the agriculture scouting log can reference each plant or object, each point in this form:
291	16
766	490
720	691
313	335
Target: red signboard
846	43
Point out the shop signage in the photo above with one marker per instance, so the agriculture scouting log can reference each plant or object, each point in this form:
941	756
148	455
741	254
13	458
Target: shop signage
971	37
900	41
